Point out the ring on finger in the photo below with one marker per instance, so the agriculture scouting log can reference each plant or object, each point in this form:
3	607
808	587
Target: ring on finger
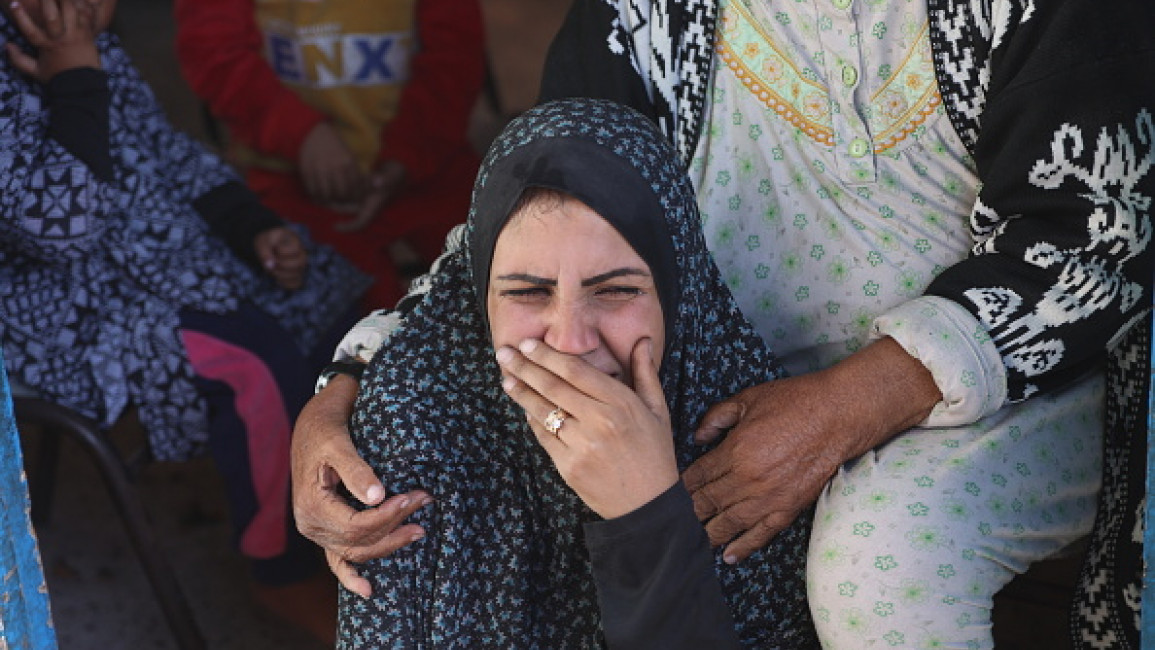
554	420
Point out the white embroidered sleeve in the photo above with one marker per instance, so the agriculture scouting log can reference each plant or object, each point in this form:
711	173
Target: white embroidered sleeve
957	350
371	332
362	341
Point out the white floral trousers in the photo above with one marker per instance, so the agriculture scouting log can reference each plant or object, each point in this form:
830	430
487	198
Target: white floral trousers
912	541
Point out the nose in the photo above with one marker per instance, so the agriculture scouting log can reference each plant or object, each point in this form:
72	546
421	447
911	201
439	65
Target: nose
572	330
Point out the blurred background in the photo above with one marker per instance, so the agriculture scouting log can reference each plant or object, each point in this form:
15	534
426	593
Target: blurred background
101	599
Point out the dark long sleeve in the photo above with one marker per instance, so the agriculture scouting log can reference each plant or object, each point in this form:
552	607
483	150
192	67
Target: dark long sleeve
579	64
237	216
655	579
78	101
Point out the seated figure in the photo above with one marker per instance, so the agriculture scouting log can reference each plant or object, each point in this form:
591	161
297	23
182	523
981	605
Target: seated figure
348	116
137	270
565	525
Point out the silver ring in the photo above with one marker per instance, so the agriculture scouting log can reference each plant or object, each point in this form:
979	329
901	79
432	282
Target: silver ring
554	420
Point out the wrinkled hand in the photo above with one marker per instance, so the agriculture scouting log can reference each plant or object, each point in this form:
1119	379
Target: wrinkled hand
283	256
771	466
65	40
329	169
383	187
323	457
615	448
790	436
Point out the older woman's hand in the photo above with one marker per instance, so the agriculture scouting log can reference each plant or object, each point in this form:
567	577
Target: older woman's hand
788	437
615	447
323	459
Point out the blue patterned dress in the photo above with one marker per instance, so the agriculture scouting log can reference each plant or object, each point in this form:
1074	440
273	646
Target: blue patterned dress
99	255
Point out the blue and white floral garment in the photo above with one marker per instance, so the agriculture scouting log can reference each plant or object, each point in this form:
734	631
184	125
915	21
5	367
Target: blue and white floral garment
101	247
503	564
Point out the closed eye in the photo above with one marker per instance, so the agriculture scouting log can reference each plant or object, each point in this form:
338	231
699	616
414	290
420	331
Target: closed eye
619	293
526	294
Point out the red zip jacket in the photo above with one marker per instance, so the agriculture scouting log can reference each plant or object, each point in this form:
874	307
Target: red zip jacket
219	47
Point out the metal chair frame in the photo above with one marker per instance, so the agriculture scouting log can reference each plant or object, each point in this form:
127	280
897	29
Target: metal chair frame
56	420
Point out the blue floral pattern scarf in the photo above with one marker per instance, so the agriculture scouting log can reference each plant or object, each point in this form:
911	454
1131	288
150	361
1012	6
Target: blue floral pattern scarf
503	563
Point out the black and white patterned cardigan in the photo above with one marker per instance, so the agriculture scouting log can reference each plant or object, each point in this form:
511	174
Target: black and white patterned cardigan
1054	101
1048	97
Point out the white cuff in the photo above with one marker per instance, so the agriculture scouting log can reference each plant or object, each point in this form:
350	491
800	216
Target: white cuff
362	342
371	332
957	350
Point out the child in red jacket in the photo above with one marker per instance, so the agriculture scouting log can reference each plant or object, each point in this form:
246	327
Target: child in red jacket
349	116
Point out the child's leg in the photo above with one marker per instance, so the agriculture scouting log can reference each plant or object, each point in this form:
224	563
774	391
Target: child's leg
254	381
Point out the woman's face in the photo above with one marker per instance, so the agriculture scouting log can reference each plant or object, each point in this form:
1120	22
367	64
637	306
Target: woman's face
563	275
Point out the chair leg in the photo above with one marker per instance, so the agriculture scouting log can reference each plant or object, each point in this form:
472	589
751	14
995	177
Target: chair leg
112	468
42	484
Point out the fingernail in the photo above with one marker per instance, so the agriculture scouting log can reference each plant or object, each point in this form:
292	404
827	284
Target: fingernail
426	500
401	505
416	536
504	355
507	383
527	346
730	559
375	493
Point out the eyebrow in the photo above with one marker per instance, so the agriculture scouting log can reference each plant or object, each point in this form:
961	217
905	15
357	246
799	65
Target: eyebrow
588	282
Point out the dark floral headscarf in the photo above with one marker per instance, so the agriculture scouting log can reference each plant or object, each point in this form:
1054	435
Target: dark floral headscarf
503	564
